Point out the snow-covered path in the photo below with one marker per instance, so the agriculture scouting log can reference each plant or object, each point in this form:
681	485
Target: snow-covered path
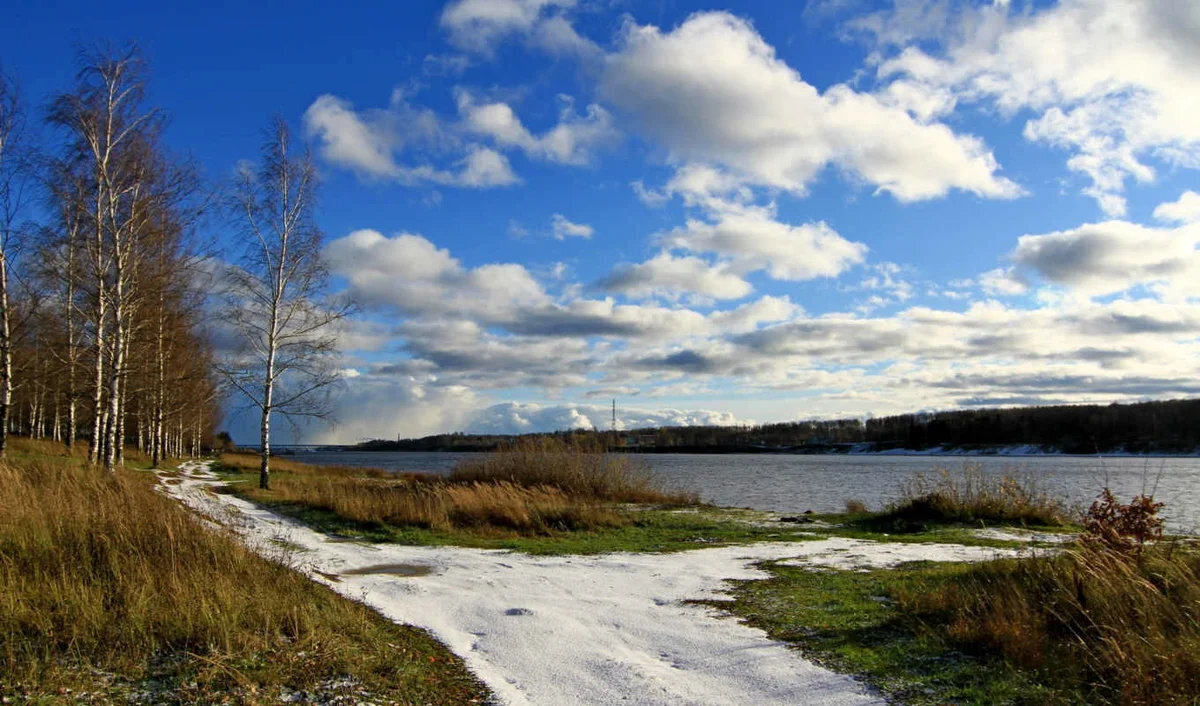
576	629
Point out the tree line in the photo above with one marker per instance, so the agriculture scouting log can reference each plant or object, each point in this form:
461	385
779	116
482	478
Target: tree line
107	303
1168	426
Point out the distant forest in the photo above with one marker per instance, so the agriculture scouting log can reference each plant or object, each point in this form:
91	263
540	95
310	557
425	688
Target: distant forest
1171	426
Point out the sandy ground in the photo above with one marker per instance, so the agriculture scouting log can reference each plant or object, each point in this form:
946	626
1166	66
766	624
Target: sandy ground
601	629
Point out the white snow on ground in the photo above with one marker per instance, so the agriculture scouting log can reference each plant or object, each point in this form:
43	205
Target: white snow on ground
862	555
579	629
1019	535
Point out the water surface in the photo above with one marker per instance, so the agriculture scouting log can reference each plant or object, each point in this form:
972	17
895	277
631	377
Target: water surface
794	483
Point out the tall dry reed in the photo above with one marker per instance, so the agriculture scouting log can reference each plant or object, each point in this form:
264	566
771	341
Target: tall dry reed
1090	620
973	495
579	468
440	505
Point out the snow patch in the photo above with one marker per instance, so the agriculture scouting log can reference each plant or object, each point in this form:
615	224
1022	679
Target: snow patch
1019	535
579	629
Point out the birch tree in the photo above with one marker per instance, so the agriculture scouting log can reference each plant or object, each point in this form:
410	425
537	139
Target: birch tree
278	303
13	178
67	200
106	123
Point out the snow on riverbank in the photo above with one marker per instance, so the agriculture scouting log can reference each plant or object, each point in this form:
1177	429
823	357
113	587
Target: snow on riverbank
868	449
576	629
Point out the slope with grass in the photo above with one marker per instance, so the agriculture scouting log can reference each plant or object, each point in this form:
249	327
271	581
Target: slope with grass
111	591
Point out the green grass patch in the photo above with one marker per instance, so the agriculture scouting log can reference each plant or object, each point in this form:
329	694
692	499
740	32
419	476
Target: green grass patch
849	621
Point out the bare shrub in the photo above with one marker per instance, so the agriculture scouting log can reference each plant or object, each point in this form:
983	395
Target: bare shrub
1122	528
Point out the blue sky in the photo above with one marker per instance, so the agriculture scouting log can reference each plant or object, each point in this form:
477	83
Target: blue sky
751	211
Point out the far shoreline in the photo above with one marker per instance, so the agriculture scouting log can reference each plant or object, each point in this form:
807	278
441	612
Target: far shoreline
993	452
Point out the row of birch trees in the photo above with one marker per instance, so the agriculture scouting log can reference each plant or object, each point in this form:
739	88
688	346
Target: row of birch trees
102	334
107	317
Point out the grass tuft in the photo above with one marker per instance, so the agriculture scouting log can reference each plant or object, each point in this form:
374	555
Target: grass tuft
579	468
534	487
436	505
971	496
1091	621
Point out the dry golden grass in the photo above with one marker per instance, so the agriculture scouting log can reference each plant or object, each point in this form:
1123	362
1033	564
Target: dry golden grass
1092	620
282	464
533	487
439	505
578	468
972	495
103	572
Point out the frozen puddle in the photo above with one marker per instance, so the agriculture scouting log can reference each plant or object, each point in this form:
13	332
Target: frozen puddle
573	629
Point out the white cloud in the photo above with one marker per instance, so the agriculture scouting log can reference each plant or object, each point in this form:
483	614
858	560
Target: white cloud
571	141
1003	281
650	197
476	25
522	418
494	328
409	274
1112	81
1184	210
367	143
712	90
348	140
1108	257
383	407
485	167
562	228
753	240
668	275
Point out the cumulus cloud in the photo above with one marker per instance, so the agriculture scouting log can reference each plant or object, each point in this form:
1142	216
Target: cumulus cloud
1102	258
742	235
367	143
753	240
408	274
1184	210
712	90
562	228
571	141
483	167
522	418
1110	103
492	329
668	275
382	407
1003	281
478	24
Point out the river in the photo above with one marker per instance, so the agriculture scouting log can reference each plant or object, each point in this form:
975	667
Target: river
823	483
